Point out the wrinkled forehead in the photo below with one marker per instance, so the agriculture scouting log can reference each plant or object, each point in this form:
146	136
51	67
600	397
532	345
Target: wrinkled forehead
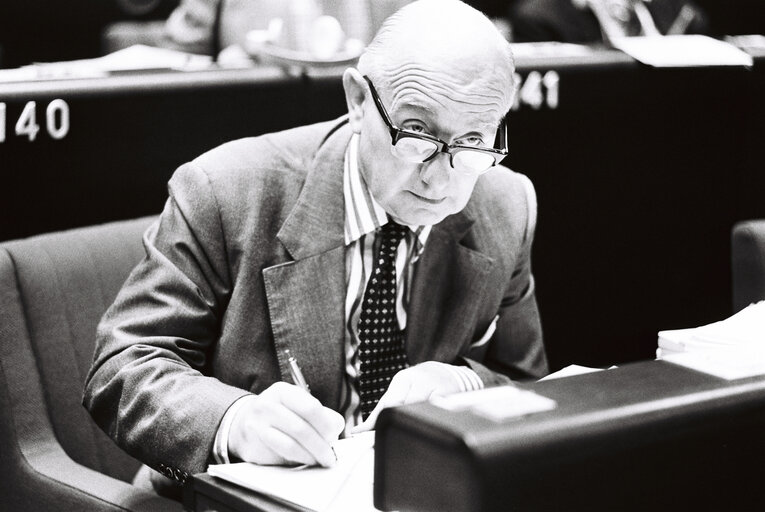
447	96
444	56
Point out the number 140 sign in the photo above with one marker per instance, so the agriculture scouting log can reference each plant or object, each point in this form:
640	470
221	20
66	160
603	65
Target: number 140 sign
56	120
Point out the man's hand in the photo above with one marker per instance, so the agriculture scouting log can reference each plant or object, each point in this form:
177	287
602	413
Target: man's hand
414	384
282	425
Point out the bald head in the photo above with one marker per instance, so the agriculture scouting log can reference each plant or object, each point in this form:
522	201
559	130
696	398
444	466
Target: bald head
443	48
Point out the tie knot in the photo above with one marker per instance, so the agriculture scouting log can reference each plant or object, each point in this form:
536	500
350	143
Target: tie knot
393	231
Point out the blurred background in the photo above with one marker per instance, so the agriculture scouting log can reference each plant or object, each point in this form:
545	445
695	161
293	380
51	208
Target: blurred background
55	30
641	170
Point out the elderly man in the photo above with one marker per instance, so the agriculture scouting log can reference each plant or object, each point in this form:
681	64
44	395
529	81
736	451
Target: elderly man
387	252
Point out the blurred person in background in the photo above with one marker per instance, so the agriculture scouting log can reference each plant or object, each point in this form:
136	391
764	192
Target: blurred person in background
593	21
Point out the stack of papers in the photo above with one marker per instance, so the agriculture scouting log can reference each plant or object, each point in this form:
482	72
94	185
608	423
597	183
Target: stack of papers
731	348
348	485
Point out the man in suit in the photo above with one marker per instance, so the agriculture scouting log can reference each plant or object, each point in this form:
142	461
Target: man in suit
267	244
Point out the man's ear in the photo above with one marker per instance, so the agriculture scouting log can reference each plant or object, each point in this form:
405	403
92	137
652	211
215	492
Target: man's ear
355	93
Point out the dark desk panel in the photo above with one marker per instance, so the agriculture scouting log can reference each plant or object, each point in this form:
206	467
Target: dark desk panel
128	134
640	173
649	436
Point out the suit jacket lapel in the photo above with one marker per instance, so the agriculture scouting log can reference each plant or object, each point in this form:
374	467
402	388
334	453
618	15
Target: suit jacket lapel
448	284
306	297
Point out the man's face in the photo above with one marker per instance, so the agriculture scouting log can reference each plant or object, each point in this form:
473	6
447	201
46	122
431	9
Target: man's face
424	193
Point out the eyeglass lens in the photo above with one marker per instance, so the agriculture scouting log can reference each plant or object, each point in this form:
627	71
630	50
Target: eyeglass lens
472	161
418	150
413	149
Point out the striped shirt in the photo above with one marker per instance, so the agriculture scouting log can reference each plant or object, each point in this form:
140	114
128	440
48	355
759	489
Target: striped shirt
363	218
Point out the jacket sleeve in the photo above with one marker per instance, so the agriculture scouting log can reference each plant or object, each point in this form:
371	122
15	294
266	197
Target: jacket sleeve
147	387
516	349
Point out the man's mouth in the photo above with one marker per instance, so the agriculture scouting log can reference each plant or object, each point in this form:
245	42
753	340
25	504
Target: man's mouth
427	199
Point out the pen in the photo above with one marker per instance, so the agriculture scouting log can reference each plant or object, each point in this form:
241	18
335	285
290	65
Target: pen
295	373
299	380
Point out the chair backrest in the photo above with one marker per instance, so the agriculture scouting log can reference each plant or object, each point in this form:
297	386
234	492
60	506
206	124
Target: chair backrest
748	262
53	290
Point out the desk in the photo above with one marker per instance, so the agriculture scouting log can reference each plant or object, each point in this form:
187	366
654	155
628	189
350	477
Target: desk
649	436
207	493
640	175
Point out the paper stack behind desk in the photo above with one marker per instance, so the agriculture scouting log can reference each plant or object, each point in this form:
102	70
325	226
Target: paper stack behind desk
731	348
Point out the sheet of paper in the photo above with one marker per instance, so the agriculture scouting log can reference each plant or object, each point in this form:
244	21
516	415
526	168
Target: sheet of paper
316	488
729	364
497	403
134	58
570	370
747	327
682	51
142	57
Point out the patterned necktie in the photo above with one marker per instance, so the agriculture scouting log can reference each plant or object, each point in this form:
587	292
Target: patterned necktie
381	345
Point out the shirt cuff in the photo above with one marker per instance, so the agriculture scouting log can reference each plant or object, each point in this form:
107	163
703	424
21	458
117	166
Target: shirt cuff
467	379
220	444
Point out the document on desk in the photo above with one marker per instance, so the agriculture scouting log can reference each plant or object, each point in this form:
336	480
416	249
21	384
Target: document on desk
733	348
347	485
682	51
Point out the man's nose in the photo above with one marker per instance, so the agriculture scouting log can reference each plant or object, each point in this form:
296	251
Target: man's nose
436	172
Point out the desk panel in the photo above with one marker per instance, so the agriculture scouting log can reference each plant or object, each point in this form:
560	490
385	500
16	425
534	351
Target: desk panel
649	436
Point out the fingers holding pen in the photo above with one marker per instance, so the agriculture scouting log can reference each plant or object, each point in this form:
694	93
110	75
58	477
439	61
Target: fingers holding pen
326	422
283	425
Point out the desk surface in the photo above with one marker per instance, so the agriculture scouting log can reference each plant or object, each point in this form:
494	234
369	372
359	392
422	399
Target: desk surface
209	493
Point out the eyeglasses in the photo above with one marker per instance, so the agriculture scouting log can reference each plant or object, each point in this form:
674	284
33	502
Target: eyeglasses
420	147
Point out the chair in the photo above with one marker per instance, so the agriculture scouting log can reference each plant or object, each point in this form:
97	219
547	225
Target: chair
53	290
748	262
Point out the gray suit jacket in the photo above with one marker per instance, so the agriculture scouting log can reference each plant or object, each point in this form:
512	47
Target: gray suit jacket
248	259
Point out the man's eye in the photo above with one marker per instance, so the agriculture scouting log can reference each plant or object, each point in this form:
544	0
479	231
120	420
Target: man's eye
470	141
415	127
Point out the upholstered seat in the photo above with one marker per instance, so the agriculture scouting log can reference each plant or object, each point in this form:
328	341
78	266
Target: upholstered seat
53	290
748	262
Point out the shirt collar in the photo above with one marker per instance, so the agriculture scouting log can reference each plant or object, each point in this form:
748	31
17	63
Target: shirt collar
363	214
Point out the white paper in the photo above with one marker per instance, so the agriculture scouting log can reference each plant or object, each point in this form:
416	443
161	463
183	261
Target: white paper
497	403
142	57
522	404
729	364
682	51
317	488
745	330
134	58
733	348
570	370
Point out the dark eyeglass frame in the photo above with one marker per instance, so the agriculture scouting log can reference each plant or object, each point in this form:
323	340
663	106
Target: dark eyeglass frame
397	134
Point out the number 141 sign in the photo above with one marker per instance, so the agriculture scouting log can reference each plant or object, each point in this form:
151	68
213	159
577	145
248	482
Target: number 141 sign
56	120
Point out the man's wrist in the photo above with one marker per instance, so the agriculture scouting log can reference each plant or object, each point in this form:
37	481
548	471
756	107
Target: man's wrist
220	450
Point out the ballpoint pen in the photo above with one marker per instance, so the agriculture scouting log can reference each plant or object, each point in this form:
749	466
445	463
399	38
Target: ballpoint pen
295	373
299	380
